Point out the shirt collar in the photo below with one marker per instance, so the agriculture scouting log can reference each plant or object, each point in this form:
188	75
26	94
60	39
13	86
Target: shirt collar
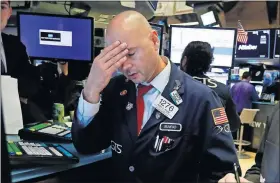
161	80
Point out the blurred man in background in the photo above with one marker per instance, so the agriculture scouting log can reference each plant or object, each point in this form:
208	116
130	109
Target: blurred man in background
15	63
196	60
244	93
266	168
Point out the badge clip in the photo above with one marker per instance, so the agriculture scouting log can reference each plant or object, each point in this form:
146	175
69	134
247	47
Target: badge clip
176	97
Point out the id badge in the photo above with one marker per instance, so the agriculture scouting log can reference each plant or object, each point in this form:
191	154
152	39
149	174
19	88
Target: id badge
165	107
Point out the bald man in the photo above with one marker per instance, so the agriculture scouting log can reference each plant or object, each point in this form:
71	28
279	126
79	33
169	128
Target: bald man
162	125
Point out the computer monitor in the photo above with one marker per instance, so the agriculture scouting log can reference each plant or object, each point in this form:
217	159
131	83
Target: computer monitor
277	44
270	76
257	72
56	37
220	77
257	46
222	41
159	29
210	19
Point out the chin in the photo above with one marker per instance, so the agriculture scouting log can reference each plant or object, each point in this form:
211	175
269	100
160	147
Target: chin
135	81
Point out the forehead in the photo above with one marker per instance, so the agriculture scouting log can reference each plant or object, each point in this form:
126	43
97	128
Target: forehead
131	38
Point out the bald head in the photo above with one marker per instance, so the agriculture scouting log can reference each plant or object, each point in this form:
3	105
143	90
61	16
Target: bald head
134	32
128	23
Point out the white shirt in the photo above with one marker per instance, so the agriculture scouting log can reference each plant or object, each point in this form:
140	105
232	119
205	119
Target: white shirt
3	56
86	110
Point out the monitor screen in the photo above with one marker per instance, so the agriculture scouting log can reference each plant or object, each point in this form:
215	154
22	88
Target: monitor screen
220	77
221	40
56	37
270	76
257	46
159	29
277	44
209	19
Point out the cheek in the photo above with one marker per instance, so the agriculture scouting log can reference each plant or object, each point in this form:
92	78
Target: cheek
4	17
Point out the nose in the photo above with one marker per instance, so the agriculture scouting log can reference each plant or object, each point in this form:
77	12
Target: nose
126	66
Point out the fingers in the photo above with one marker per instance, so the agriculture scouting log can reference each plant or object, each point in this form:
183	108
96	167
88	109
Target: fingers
107	49
113	53
116	65
115	59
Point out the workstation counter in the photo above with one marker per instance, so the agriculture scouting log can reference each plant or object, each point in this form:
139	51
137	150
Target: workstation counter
260	121
31	173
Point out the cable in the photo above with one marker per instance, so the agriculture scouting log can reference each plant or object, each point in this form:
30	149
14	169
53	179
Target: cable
68	11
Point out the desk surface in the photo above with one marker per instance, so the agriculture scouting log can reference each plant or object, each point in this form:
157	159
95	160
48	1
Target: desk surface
24	174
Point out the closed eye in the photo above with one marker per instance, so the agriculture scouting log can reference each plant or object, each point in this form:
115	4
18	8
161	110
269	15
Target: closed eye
130	54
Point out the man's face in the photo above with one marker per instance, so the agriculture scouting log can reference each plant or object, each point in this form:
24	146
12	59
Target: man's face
142	57
6	12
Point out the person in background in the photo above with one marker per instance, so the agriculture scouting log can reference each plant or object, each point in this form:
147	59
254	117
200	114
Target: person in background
274	88
266	168
267	80
244	93
178	144
15	63
195	61
58	86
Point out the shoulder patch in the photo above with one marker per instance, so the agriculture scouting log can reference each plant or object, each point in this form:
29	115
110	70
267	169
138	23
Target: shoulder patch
219	116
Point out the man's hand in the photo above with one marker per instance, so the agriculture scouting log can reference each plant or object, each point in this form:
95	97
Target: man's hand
230	178
103	66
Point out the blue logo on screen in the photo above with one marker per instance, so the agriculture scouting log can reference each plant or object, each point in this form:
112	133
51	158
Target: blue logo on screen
50	35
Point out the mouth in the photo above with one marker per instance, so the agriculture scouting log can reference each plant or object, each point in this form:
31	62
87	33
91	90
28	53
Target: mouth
132	75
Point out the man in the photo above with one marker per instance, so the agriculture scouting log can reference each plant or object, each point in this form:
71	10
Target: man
274	88
196	60
244	93
15	62
266	168
153	138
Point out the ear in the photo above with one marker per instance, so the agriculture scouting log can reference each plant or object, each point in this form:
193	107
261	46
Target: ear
10	12
155	40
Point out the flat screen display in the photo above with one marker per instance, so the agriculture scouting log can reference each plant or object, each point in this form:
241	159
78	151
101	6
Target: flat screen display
159	29
220	77
257	46
221	40
270	76
209	19
56	37
277	44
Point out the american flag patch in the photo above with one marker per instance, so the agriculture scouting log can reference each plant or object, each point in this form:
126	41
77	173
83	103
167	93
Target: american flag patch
219	116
